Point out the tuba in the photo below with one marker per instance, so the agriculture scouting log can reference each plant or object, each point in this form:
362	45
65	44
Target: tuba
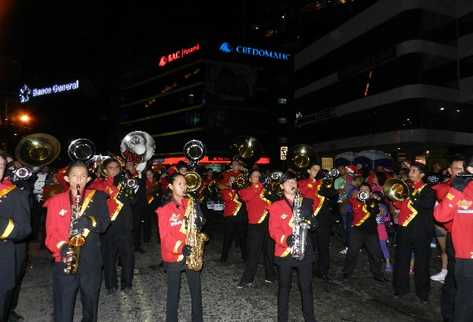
195	239
396	189
247	149
81	150
301	227
138	147
194	151
301	156
35	151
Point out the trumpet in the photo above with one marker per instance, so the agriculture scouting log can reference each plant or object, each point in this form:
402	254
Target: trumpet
363	196
330	177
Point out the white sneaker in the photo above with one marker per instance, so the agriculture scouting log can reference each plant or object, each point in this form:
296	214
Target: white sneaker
439	277
344	251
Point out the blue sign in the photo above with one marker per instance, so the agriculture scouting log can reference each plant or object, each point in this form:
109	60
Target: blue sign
227	48
26	93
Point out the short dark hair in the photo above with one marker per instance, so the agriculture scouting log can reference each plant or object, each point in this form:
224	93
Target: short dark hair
181	164
76	164
420	166
456	158
365	184
108	161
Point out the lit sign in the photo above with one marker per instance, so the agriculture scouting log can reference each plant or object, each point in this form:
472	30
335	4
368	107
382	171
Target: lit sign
177	55
26	93
283	152
227	48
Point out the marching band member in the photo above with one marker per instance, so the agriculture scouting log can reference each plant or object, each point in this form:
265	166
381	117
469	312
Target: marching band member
152	202
364	233
174	248
259	241
92	220
447	298
457	207
415	233
321	194
14	227
117	241
281	230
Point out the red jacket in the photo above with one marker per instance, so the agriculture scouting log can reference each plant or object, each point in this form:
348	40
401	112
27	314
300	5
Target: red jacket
441	190
406	210
280	226
172	230
106	185
256	203
360	211
231	203
58	220
457	207
226	176
309	188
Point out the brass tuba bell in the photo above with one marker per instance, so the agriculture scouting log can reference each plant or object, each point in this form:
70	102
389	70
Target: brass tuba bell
301	156
37	150
396	189
194	150
247	149
81	150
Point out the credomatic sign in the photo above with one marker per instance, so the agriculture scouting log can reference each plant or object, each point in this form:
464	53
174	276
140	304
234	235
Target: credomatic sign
228	48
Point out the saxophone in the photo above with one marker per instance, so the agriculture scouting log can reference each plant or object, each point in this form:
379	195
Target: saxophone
76	239
195	239
301	226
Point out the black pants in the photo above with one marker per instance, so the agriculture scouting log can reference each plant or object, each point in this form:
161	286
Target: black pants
259	244
148	220
5	300
234	229
321	241
359	239
449	287
406	243
174	286
65	289
138	214
113	248
304	274
464	296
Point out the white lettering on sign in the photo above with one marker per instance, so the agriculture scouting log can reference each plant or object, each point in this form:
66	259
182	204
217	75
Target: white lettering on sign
26	93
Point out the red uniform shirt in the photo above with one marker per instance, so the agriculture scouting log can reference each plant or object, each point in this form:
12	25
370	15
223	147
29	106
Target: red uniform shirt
360	211
172	230
106	185
309	188
226	176
58	220
441	190
280	226
231	204
256	203
457	207
406	210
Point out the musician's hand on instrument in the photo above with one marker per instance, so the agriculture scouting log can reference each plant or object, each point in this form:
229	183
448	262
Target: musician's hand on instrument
65	249
186	250
290	240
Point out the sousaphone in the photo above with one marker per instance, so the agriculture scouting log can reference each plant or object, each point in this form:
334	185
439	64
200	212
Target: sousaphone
37	150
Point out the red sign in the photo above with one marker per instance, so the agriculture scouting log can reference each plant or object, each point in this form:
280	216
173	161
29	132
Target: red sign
211	160
177	55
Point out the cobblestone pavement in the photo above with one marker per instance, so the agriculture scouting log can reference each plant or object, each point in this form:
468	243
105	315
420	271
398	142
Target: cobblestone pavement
361	299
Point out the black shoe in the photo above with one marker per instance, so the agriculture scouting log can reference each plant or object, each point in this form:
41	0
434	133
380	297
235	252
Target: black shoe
381	279
111	291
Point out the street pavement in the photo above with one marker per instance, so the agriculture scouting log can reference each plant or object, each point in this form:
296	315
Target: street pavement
360	299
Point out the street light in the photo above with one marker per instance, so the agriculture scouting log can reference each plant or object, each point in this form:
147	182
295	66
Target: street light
24	118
